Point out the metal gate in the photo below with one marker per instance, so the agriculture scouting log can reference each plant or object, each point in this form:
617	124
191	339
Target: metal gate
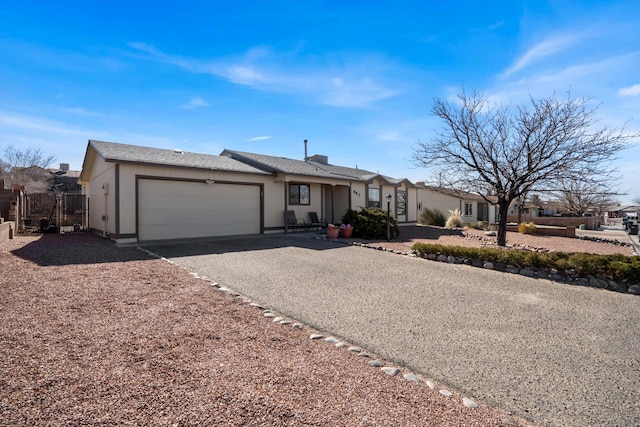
61	212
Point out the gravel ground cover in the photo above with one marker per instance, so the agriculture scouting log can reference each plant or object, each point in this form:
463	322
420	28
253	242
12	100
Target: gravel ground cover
554	354
93	334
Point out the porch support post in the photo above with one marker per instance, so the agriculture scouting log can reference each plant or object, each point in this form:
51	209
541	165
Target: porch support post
286	206
333	202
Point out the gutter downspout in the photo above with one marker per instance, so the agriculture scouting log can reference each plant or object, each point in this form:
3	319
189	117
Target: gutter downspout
333	202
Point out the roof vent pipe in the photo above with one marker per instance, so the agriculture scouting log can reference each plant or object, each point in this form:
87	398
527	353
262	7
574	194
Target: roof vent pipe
305	150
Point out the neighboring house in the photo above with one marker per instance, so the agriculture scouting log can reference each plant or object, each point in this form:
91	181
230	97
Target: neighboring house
613	211
472	207
620	212
65	180
36	179
144	194
632	211
526	212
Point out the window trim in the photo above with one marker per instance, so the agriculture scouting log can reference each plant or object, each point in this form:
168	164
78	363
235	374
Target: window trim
298	200
371	203
468	209
401	202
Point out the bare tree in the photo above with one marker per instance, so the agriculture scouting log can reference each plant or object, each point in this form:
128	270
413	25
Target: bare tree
637	201
28	168
578	196
507	152
537	201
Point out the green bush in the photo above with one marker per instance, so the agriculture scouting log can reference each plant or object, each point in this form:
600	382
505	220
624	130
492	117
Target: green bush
371	223
432	217
614	267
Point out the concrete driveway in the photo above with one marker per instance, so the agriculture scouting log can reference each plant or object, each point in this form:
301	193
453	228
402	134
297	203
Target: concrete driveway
551	353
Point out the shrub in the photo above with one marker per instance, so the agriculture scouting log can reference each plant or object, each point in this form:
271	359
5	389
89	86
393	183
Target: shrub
527	228
432	217
454	220
614	267
478	225
371	223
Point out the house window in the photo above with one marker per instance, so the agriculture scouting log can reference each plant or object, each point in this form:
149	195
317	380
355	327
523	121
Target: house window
401	202
299	194
468	209
373	200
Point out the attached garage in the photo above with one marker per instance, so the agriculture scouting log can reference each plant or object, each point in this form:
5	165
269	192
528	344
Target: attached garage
183	209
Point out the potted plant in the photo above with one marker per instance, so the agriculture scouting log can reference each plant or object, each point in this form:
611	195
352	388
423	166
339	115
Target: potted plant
346	230
332	231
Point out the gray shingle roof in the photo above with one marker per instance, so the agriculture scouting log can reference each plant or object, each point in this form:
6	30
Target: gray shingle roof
454	193
300	167
114	152
231	160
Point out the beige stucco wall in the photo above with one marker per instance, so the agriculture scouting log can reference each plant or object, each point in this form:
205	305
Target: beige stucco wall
276	209
274	194
434	200
358	195
445	203
102	208
412	205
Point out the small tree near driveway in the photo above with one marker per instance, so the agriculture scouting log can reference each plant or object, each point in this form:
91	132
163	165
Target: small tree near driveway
504	152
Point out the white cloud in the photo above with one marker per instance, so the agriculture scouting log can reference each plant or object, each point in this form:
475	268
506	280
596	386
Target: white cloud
81	112
392	135
548	47
498	24
589	79
259	138
41	124
196	102
340	82
630	91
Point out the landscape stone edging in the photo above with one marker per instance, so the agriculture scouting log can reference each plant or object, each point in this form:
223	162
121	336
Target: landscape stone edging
536	273
267	313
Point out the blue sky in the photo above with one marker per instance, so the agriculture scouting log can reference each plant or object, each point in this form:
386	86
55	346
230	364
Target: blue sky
357	79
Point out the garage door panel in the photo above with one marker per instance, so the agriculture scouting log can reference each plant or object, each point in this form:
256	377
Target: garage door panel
178	209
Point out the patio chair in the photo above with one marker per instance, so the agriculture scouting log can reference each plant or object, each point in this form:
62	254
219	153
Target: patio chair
294	223
318	223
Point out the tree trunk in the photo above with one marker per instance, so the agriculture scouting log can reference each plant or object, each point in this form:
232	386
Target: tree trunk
503	210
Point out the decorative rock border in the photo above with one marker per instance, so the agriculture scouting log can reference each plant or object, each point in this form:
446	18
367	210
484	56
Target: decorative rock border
316	336
603	240
570	278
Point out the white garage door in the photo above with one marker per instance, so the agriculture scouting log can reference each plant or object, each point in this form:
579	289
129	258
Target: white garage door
179	209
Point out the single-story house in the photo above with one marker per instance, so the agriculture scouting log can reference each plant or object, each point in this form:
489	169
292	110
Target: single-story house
526	212
145	194
472	207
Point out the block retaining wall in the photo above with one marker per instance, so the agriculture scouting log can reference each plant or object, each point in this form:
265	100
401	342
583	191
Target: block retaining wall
7	230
